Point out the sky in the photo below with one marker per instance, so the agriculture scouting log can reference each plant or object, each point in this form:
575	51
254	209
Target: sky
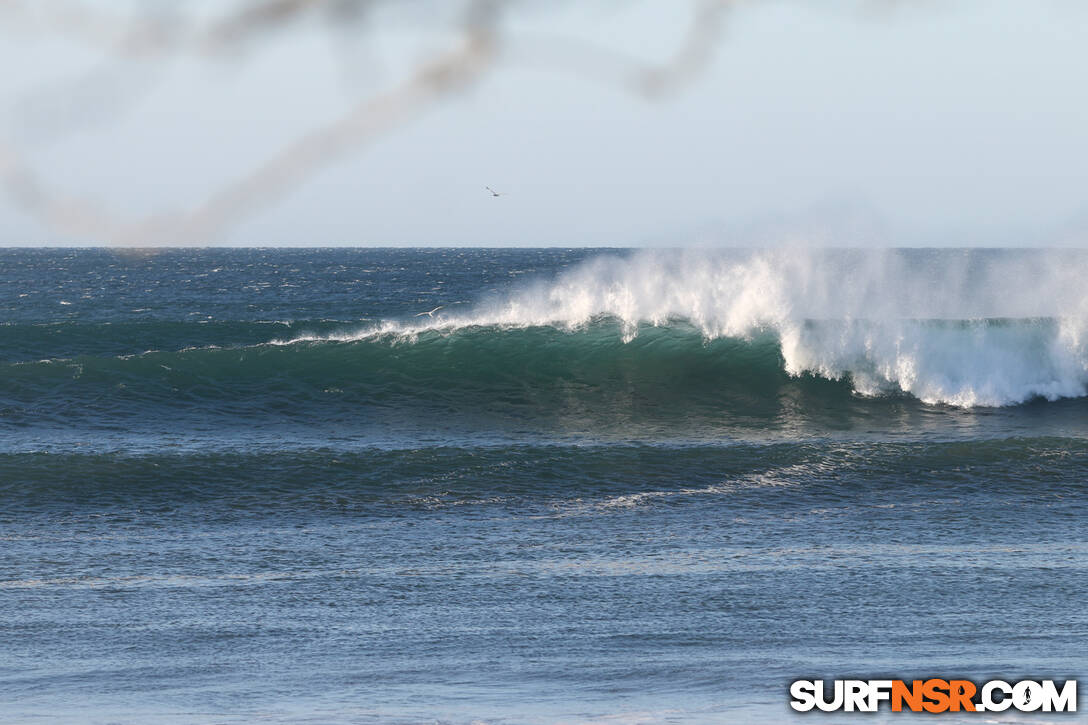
842	123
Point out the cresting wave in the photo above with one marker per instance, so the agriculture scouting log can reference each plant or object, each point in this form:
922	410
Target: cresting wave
957	327
655	334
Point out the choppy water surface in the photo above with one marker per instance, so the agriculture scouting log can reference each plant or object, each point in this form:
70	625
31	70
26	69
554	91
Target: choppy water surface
259	485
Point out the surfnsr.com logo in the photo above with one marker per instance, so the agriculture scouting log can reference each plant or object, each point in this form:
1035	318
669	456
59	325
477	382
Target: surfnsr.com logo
933	695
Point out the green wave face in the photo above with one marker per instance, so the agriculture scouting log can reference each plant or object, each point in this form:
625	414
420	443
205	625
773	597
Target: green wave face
664	381
538	369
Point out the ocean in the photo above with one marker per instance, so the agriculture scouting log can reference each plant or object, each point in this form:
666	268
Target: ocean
534	485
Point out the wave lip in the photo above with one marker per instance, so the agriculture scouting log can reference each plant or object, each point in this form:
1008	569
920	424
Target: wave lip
963	363
650	334
954	327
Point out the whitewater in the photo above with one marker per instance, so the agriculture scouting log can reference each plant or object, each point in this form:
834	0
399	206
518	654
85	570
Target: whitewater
958	327
595	486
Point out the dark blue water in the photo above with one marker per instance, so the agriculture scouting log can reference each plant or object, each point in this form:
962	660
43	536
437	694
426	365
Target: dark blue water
259	486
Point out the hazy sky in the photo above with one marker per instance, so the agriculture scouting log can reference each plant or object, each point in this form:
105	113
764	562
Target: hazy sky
939	122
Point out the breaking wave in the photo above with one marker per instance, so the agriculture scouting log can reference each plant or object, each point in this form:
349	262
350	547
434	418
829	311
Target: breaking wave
963	328
643	334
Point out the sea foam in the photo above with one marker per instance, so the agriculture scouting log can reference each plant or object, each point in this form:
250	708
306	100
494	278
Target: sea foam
957	327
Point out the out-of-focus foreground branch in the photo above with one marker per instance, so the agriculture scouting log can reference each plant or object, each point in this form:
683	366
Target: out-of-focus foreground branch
141	36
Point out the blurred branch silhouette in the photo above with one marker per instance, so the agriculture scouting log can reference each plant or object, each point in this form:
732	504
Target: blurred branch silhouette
149	32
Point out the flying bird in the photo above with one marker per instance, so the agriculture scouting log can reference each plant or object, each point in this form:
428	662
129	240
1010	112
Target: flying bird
430	313
493	192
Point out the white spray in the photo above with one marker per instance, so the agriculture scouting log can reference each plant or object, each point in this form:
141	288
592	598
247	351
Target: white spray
958	327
